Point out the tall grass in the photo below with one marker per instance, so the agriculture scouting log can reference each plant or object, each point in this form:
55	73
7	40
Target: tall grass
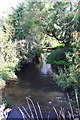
34	111
31	116
60	115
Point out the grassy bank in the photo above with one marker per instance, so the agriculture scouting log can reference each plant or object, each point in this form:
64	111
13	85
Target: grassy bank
58	56
66	77
7	73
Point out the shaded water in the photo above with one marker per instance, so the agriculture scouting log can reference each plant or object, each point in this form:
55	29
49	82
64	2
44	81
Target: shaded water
36	82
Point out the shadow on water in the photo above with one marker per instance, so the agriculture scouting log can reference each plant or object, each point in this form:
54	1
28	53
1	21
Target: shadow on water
35	82
37	77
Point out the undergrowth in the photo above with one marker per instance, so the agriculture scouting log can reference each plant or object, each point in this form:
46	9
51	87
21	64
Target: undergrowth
7	71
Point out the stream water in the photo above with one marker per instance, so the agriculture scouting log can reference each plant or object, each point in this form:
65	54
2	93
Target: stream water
36	82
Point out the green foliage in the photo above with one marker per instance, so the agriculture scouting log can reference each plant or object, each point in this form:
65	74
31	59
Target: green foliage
8	50
70	77
60	46
67	78
16	19
20	37
19	65
27	33
8	53
33	25
58	56
60	21
7	71
60	62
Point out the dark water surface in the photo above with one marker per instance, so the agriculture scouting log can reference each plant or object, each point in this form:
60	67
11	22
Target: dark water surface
36	82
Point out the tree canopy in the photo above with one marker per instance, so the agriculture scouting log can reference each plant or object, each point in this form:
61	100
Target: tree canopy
33	25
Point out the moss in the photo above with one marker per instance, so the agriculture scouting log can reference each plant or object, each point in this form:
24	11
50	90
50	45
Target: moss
60	46
59	62
58	56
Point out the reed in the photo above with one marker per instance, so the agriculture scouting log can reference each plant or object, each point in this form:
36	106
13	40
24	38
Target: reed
61	114
31	116
35	111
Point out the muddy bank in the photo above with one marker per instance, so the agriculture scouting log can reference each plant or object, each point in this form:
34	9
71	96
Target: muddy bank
5	83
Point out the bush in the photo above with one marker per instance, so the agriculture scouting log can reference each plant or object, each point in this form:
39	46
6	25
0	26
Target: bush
67	78
7	71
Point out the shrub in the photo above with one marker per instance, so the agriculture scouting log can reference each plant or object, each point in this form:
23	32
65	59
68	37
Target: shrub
67	78
7	71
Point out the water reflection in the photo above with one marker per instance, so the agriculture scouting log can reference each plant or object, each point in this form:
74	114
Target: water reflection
46	68
39	87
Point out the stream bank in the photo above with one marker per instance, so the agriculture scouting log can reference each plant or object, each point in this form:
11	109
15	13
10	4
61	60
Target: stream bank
2	84
36	82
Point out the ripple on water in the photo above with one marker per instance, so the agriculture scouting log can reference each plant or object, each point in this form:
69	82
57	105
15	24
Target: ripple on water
32	83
